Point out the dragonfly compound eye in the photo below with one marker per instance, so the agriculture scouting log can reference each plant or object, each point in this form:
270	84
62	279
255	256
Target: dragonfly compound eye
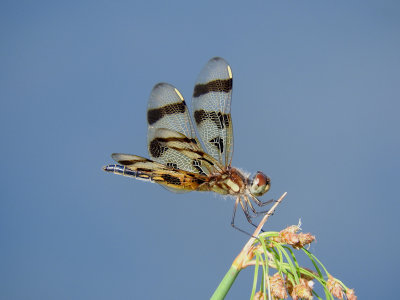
260	184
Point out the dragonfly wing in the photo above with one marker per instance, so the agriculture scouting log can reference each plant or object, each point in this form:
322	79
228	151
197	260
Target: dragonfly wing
177	151
171	136
211	109
175	180
167	109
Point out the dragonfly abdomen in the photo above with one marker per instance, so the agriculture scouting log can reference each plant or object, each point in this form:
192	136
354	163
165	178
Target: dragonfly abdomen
124	171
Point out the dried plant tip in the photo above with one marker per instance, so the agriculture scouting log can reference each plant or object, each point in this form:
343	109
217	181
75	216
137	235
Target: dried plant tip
296	240
287	235
289	286
334	287
305	239
278	289
302	290
292	229
259	296
289	238
350	294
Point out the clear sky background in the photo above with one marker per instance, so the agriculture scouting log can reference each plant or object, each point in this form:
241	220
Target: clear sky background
316	103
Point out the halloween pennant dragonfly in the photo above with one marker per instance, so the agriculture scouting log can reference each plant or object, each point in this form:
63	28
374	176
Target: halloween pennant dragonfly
179	161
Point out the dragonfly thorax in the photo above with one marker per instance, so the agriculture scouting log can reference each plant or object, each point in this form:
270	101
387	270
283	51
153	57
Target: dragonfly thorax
230	182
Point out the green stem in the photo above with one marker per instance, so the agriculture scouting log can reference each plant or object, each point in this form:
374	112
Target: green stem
225	284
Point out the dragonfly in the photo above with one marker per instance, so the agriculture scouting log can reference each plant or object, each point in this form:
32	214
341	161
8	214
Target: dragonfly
182	161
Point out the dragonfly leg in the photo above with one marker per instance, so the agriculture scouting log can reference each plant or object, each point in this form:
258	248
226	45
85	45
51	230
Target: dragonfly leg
234	214
261	203
248	204
246	210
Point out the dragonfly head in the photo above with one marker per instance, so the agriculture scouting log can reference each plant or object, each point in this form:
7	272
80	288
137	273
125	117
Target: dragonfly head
259	184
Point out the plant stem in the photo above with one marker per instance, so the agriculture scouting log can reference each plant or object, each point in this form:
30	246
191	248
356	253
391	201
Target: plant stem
242	259
225	284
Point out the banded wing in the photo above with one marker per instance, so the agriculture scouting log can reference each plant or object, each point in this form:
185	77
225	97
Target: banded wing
145	169
177	151
212	109
167	109
171	137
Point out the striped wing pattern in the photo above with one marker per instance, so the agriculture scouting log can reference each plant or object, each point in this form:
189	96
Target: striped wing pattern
171	137
175	150
177	159
211	109
167	109
145	169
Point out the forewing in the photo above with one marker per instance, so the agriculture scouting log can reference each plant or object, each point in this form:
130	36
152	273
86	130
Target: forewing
171	136
167	109
211	109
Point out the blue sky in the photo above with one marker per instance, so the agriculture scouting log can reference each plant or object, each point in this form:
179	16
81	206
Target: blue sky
315	106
